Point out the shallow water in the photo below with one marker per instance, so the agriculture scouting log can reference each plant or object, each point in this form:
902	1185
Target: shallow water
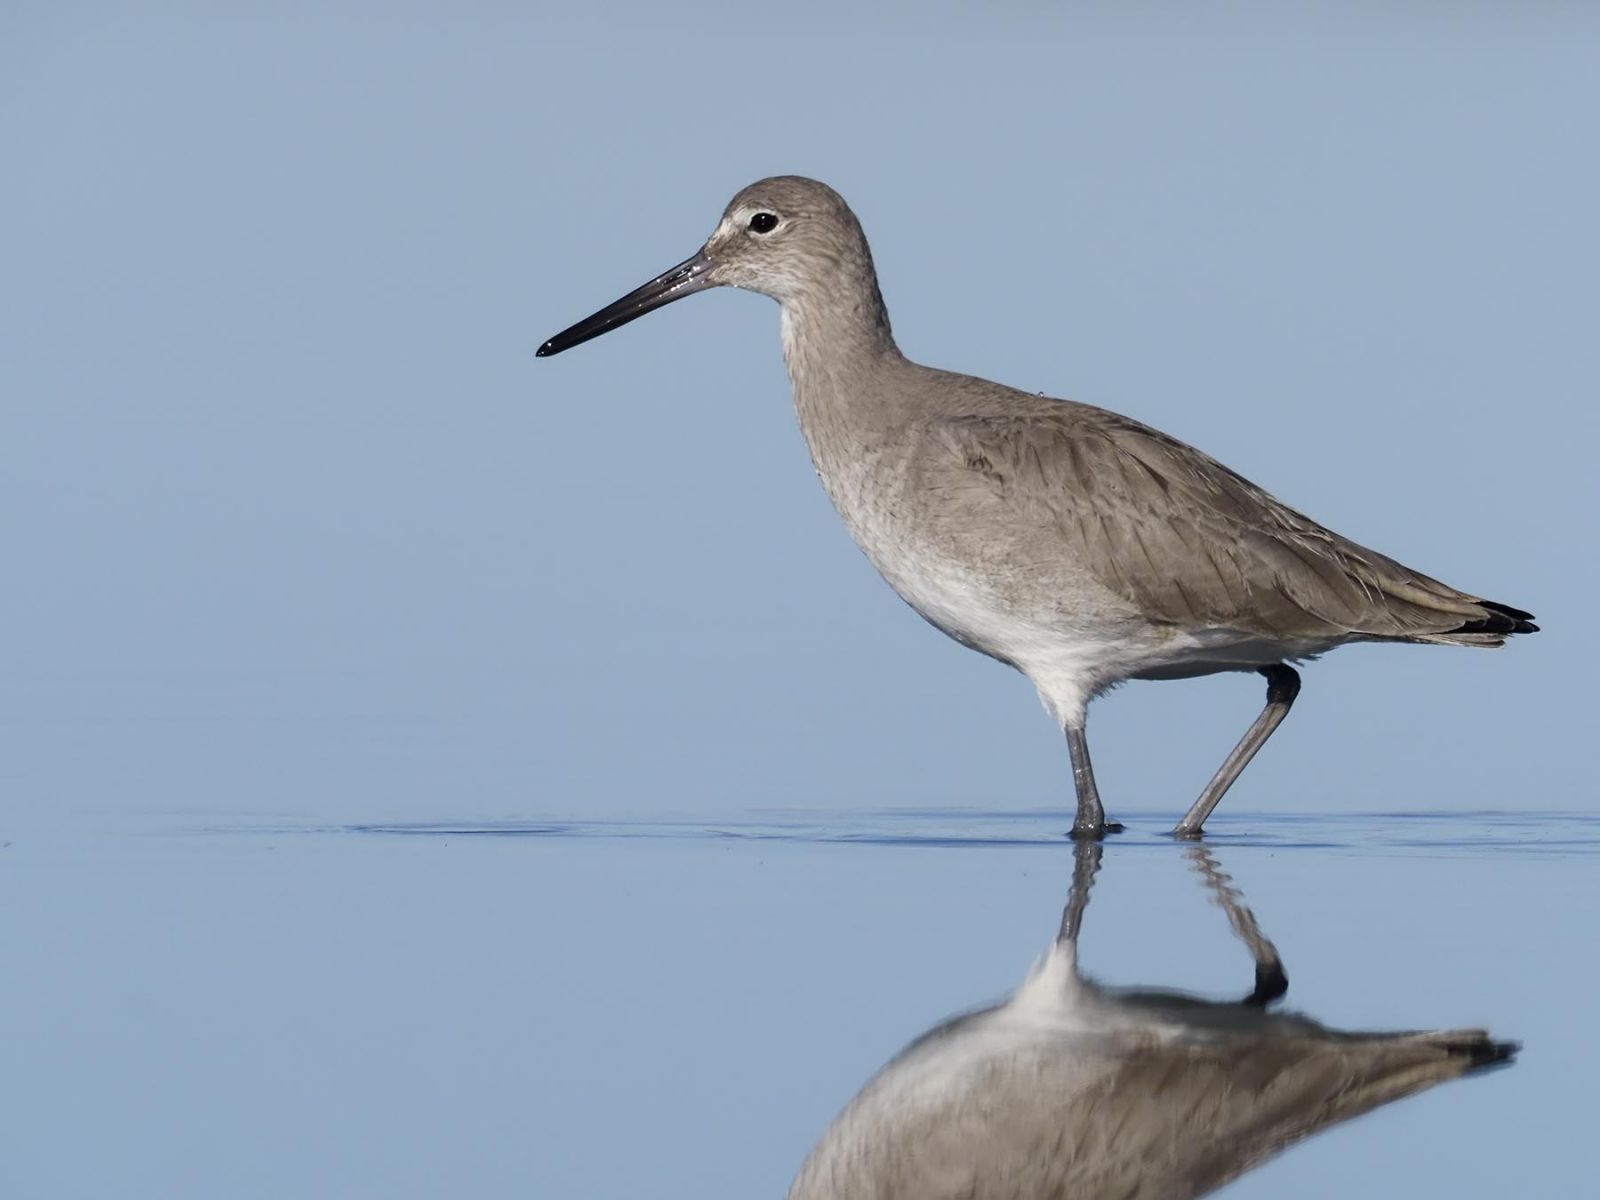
545	1005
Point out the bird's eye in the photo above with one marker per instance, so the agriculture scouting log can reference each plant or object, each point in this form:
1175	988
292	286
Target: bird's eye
763	222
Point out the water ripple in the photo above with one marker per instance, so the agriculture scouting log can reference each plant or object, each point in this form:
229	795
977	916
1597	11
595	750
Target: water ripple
1430	833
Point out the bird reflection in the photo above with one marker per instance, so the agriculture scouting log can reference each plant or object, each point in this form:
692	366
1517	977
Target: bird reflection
1071	1090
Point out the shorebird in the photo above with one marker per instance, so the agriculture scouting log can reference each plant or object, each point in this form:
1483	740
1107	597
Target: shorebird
1076	545
1073	1089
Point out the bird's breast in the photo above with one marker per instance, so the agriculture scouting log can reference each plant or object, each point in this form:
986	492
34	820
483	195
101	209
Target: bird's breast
966	570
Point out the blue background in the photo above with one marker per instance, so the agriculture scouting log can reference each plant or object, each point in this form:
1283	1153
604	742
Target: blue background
298	534
295	520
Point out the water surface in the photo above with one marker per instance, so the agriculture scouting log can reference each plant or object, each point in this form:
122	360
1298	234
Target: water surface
545	1005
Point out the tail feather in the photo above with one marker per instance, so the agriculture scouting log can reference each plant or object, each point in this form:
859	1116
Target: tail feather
1479	1051
1467	1049
1400	1065
1498	622
1503	618
1379	1068
1336	1076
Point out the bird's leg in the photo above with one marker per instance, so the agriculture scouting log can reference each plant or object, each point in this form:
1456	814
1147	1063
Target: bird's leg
1090	822
1085	865
1283	685
1271	981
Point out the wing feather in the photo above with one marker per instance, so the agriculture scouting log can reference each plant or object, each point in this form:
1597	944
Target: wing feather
1188	541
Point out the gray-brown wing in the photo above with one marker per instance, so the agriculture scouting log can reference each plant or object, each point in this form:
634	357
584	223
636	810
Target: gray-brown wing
1190	542
1163	1121
1176	1124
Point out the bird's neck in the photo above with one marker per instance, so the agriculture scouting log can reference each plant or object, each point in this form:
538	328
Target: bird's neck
836	343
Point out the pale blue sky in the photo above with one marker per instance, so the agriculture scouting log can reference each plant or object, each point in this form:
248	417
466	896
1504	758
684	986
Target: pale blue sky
296	522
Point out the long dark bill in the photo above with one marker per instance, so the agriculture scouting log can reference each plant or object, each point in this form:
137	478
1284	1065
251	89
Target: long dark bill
685	279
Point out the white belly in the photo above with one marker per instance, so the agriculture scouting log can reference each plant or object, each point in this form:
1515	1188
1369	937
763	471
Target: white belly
1072	645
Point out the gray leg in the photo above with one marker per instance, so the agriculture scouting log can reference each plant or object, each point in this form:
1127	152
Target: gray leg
1271	981
1090	822
1283	685
1085	864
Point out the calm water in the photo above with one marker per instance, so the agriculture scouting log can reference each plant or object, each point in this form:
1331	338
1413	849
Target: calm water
547	1006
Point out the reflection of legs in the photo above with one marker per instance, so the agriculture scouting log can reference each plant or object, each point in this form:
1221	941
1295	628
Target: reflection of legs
1271	982
1283	685
1085	863
1090	822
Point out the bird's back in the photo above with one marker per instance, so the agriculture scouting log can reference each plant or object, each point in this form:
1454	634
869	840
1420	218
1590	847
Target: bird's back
1052	508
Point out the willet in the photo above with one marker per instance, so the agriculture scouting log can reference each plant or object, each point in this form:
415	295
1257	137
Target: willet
1076	545
1070	1088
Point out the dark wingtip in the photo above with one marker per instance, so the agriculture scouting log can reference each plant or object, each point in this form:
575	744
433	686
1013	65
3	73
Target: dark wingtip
1502	618
1481	1053
546	350
1505	610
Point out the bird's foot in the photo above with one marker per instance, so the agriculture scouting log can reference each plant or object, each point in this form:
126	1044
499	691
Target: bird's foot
1271	984
1184	833
1094	833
